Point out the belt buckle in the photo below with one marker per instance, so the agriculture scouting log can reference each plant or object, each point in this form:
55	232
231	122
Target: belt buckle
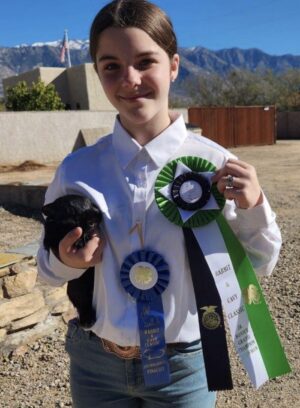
126	353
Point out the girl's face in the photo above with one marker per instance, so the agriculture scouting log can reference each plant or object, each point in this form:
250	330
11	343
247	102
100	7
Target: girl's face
135	73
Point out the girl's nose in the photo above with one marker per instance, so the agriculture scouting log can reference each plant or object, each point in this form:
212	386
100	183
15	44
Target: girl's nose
132	77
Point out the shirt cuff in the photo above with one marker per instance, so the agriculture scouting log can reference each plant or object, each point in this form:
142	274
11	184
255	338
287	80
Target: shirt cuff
62	270
256	217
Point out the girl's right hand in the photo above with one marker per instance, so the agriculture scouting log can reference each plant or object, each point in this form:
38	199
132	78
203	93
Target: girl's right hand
82	258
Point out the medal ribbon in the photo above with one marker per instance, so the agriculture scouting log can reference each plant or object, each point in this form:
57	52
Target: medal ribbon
253	301
251	326
138	277
215	352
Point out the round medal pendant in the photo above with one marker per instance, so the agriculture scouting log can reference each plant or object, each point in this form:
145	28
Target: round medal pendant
143	275
210	319
191	191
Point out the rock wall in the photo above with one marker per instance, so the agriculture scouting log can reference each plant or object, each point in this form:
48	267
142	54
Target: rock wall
29	309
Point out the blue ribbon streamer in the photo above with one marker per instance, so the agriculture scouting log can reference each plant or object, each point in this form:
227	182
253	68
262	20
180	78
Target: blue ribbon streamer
150	316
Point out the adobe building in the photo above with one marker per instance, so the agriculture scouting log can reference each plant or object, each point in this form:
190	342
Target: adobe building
78	86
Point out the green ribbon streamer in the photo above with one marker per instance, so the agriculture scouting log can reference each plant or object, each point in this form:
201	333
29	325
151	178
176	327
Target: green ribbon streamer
259	316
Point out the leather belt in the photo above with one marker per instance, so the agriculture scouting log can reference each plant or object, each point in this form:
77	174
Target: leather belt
127	352
130	352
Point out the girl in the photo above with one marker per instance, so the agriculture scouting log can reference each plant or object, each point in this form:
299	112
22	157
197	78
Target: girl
134	50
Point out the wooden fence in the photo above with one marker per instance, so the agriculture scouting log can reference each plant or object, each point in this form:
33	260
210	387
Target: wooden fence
288	125
236	126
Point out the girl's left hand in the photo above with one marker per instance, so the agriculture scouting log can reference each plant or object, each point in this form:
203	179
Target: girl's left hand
238	181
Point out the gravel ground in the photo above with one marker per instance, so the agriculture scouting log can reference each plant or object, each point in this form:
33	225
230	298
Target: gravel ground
38	377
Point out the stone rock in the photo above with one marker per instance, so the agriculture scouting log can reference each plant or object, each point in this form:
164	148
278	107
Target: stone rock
36	317
43	286
20	267
1	289
32	261
10	258
2	335
19	307
26	337
61	307
4	271
21	351
53	296
71	313
20	284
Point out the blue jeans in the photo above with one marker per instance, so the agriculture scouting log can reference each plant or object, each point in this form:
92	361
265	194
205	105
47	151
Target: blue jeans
101	379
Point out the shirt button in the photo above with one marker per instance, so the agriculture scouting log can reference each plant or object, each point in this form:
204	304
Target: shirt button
141	181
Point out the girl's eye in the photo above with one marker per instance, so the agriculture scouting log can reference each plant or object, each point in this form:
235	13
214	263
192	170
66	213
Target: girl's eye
111	67
145	63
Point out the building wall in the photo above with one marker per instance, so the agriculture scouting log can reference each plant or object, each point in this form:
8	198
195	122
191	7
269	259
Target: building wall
76	79
85	90
97	99
61	84
47	137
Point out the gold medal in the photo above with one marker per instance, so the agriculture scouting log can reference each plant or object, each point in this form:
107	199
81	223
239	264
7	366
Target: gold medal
143	275
210	319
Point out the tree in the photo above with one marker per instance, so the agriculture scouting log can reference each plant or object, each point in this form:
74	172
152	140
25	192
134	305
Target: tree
38	97
2	105
244	88
289	91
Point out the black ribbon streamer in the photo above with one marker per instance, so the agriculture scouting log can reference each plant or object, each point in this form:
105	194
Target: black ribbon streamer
215	351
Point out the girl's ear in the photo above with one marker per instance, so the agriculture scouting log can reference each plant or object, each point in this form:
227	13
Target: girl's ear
174	66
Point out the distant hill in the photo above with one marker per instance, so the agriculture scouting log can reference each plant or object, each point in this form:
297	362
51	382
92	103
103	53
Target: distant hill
194	61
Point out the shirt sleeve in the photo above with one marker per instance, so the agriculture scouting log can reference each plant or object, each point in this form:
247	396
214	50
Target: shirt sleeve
50	269
257	230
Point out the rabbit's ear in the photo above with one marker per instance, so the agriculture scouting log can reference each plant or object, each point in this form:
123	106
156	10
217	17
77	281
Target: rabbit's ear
49	209
95	208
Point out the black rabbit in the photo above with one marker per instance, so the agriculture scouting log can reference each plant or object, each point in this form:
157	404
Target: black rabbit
63	215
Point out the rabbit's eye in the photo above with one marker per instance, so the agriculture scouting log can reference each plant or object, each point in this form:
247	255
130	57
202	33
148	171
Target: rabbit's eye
91	224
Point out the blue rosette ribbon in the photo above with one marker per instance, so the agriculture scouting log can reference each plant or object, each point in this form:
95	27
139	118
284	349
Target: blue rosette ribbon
145	275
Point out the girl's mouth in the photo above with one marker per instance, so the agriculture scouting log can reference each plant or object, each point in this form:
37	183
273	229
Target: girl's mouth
135	97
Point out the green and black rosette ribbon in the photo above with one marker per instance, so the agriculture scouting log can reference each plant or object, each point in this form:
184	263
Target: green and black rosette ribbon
222	276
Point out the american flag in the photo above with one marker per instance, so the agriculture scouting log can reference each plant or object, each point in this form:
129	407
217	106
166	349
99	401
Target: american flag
64	48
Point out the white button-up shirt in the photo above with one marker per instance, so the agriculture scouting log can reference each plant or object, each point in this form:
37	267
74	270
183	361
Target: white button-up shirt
119	176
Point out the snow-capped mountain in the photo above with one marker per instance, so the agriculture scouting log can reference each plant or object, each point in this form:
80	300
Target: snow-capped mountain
194	60
73	44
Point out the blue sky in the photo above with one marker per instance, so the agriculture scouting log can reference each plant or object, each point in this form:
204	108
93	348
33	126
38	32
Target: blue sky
271	25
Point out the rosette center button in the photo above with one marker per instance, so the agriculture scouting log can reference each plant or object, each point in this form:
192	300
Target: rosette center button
143	275
190	191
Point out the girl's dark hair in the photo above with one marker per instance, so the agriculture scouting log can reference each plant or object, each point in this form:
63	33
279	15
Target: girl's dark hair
134	13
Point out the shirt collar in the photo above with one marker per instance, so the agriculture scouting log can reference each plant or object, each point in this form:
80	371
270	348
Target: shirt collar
126	148
160	149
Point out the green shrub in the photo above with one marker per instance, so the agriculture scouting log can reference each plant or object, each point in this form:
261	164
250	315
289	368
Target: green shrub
38	97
